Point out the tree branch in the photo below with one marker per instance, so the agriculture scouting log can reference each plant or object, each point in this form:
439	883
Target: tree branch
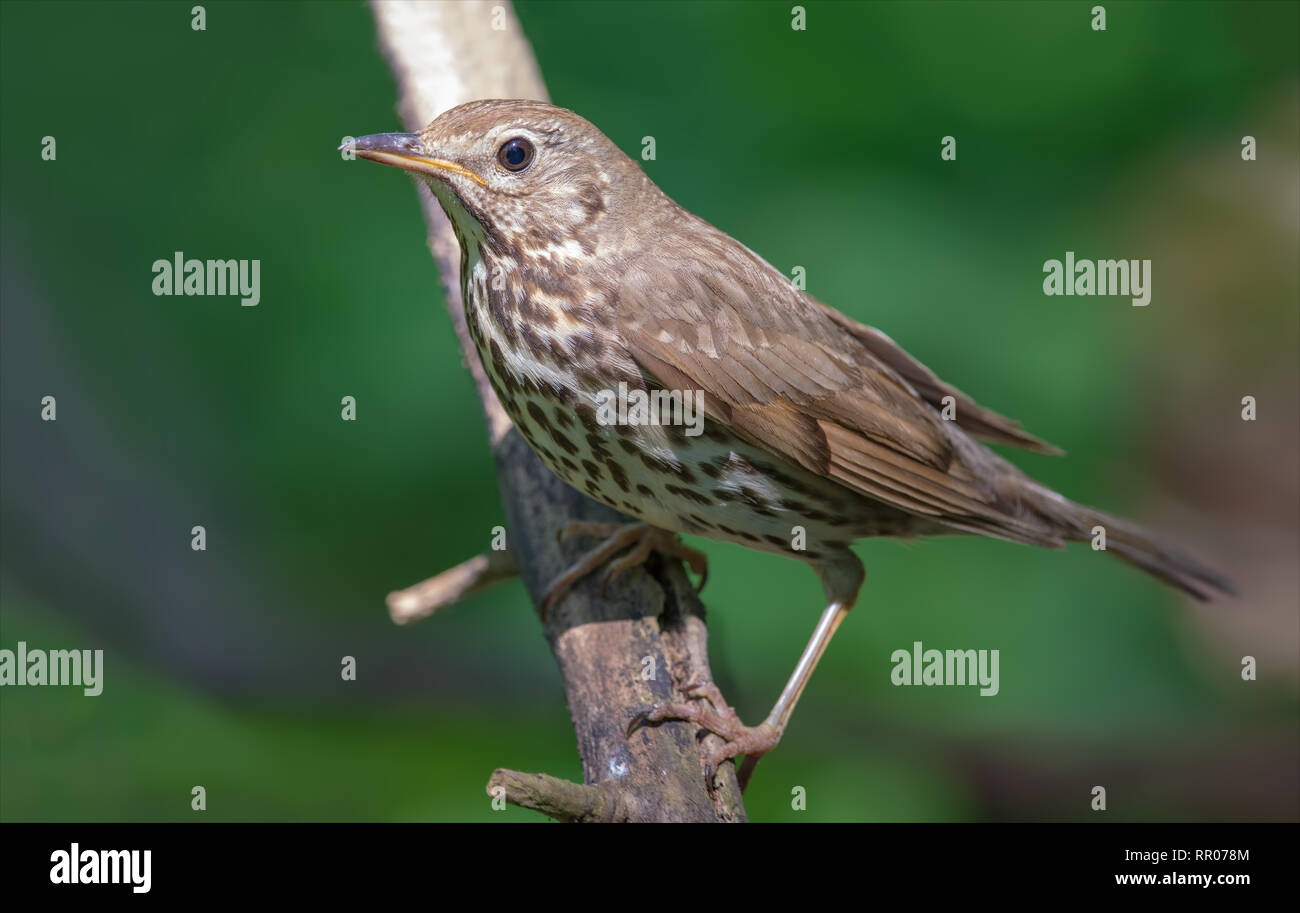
647	638
479	573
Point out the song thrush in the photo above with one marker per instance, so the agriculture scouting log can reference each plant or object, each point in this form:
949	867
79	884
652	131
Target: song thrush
578	275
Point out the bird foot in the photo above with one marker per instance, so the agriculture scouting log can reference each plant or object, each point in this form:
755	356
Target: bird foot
641	538
720	719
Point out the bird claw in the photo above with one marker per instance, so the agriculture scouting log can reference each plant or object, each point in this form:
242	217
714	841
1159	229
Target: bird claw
637	722
643	539
720	719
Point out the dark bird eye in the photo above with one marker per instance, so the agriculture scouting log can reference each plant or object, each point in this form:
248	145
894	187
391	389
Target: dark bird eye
515	154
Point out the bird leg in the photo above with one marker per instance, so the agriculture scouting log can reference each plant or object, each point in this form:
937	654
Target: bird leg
738	739
642	538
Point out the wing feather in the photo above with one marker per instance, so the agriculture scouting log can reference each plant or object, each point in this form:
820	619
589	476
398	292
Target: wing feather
794	377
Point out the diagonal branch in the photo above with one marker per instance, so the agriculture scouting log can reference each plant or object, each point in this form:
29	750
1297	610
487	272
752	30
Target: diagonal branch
647	638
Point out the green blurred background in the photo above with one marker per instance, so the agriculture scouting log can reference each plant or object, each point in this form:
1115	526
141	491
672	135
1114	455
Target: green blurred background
817	148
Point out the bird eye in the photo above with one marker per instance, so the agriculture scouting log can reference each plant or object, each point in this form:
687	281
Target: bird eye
515	154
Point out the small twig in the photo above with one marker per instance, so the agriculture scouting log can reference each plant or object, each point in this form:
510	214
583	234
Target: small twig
451	586
551	796
561	799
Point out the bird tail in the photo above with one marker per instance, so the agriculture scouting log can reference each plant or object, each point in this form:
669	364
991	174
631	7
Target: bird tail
1127	541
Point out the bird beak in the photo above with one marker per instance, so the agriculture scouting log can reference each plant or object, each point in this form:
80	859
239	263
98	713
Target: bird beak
406	151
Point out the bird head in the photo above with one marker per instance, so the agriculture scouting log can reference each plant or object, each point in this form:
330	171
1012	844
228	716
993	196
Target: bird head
517	169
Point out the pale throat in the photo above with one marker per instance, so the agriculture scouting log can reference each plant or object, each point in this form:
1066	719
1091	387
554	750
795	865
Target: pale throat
467	227
476	272
484	329
469	235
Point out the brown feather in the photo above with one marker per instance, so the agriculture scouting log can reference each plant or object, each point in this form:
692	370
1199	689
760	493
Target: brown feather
783	373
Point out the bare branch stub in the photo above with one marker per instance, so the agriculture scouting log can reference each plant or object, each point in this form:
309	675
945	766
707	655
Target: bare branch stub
618	653
451	586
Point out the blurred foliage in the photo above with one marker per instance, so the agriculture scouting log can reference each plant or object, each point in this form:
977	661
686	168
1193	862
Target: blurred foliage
816	148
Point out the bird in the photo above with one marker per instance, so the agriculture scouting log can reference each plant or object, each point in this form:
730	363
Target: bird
580	277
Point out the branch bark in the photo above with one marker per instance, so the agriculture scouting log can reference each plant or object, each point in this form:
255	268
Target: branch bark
646	639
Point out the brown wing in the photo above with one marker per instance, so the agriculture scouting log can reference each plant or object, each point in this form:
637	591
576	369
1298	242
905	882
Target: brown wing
971	416
793	377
